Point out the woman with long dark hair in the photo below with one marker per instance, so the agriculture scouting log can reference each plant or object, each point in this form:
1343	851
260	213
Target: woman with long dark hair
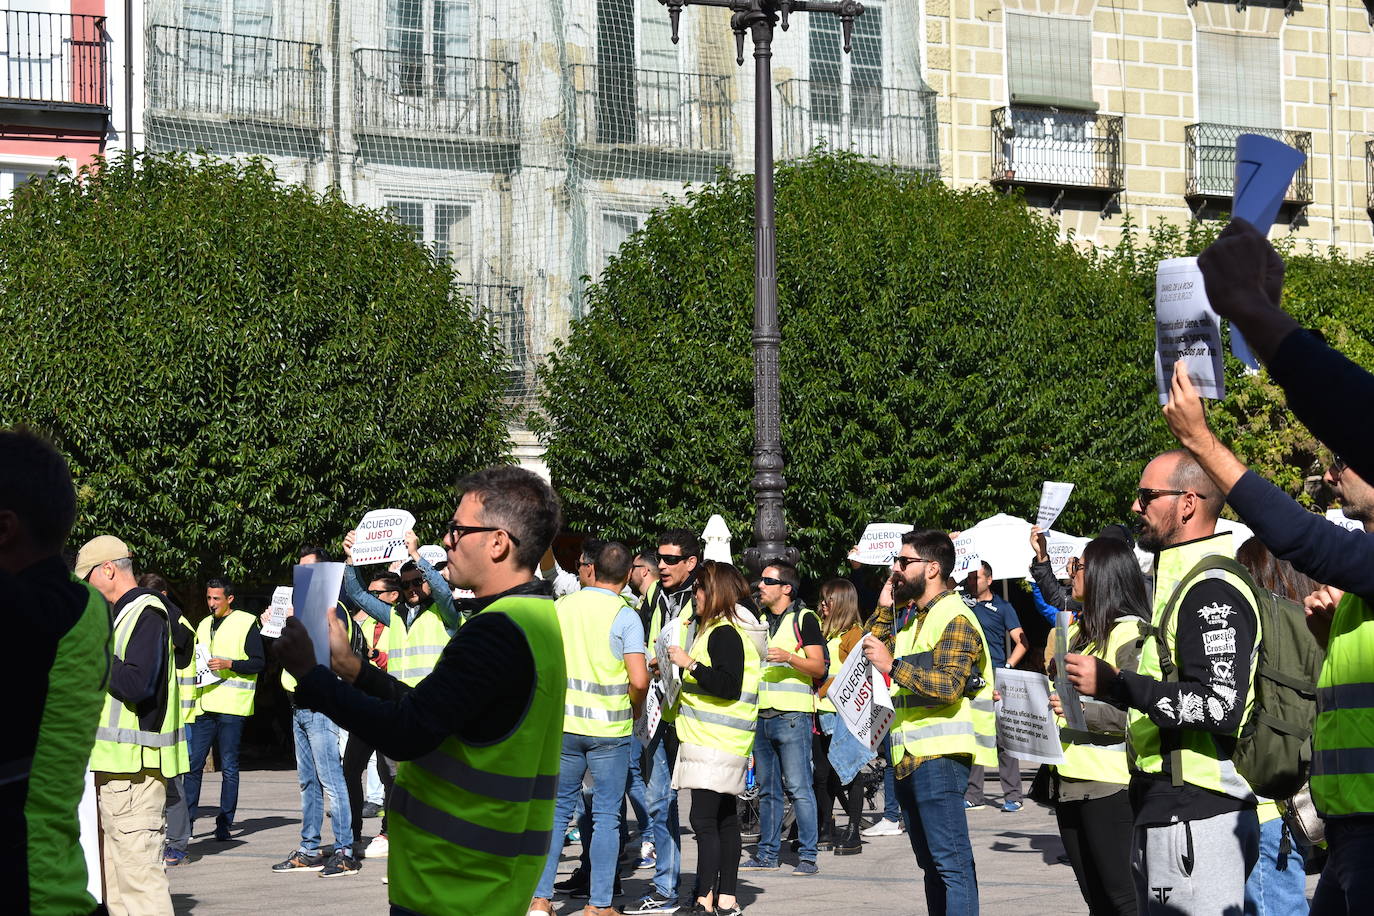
842	630
715	726
1091	802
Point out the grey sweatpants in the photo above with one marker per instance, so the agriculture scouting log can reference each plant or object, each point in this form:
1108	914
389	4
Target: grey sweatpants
1195	868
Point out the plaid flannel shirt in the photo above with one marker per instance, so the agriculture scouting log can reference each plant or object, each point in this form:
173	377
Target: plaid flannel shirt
953	661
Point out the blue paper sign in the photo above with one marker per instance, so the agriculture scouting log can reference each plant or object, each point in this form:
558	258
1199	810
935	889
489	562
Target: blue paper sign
1264	170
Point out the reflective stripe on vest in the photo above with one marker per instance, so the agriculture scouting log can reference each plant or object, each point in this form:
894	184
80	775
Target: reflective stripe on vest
1343	735
598	696
784	688
966	727
187	681
122	744
709	721
1092	755
1202	762
228	692
470	826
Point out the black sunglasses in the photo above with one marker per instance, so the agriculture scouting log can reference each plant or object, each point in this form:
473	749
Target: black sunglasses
769	580
903	562
1146	495
672	559
377	593
456	531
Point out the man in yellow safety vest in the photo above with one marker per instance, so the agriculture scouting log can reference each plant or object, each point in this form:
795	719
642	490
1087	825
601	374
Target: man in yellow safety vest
479	739
234	640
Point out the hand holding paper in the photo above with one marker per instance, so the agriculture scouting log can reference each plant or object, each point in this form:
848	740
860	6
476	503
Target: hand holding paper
1186	327
1184	413
1053	497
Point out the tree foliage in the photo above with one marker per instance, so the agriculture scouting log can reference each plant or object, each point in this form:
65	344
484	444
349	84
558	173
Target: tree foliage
234	366
943	353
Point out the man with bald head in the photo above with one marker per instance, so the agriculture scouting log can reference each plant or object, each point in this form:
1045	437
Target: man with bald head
1196	833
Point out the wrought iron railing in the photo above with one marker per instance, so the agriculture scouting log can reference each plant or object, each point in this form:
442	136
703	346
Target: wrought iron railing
1056	147
624	106
503	308
1212	160
224	74
896	126
58	58
1369	173
435	94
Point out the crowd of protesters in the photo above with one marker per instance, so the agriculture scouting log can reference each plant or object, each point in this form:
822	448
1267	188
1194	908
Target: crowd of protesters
505	709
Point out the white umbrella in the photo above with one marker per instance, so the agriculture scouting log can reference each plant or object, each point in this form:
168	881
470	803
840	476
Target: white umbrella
1003	542
717	538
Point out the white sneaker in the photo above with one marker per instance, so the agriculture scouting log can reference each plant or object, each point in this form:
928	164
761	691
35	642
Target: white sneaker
884	827
378	848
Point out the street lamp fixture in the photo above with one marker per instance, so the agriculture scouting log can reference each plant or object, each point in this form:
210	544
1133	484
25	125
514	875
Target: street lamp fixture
759	18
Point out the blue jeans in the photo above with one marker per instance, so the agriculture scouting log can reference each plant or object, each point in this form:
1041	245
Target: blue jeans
202	733
782	755
321	777
891	810
932	801
1347	881
635	790
1277	885
666	829
608	759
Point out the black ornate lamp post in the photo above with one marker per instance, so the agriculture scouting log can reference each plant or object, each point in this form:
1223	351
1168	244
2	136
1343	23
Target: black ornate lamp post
759	18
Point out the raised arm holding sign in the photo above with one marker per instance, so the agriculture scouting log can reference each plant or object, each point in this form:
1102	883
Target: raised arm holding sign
1053	497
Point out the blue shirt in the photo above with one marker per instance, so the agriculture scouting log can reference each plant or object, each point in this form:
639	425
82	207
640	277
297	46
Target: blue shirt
997	618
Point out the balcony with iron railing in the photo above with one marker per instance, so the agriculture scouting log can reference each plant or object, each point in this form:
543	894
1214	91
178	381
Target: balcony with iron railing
502	307
894	126
682	116
1036	146
1212	162
54	61
398	92
232	77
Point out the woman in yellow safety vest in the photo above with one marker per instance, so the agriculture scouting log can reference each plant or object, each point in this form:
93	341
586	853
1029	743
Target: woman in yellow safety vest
716	723
842	630
1091	802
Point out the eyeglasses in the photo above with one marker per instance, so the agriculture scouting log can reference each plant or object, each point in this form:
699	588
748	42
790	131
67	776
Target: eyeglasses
582	563
456	531
379	592
672	559
769	580
903	562
1338	463
413	586
1146	495
1075	566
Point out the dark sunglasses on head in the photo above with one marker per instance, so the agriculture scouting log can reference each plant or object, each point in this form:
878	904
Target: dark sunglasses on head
672	559
456	531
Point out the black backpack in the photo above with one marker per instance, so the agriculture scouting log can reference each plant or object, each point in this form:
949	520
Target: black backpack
1274	750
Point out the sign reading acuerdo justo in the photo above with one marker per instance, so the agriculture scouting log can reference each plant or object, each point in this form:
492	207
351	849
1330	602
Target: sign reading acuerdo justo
381	536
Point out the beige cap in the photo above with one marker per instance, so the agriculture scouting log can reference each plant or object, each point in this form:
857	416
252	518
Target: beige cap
99	550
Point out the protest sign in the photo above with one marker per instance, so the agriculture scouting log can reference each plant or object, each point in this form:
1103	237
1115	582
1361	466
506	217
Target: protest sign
433	554
277	612
1025	725
381	536
861	699
1053	497
1062	548
204	676
1337	517
669	675
965	555
1068	696
646	726
1264	170
316	596
879	543
1186	328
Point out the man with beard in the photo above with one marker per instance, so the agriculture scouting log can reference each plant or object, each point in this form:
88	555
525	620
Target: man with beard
1340	616
929	642
1196	831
